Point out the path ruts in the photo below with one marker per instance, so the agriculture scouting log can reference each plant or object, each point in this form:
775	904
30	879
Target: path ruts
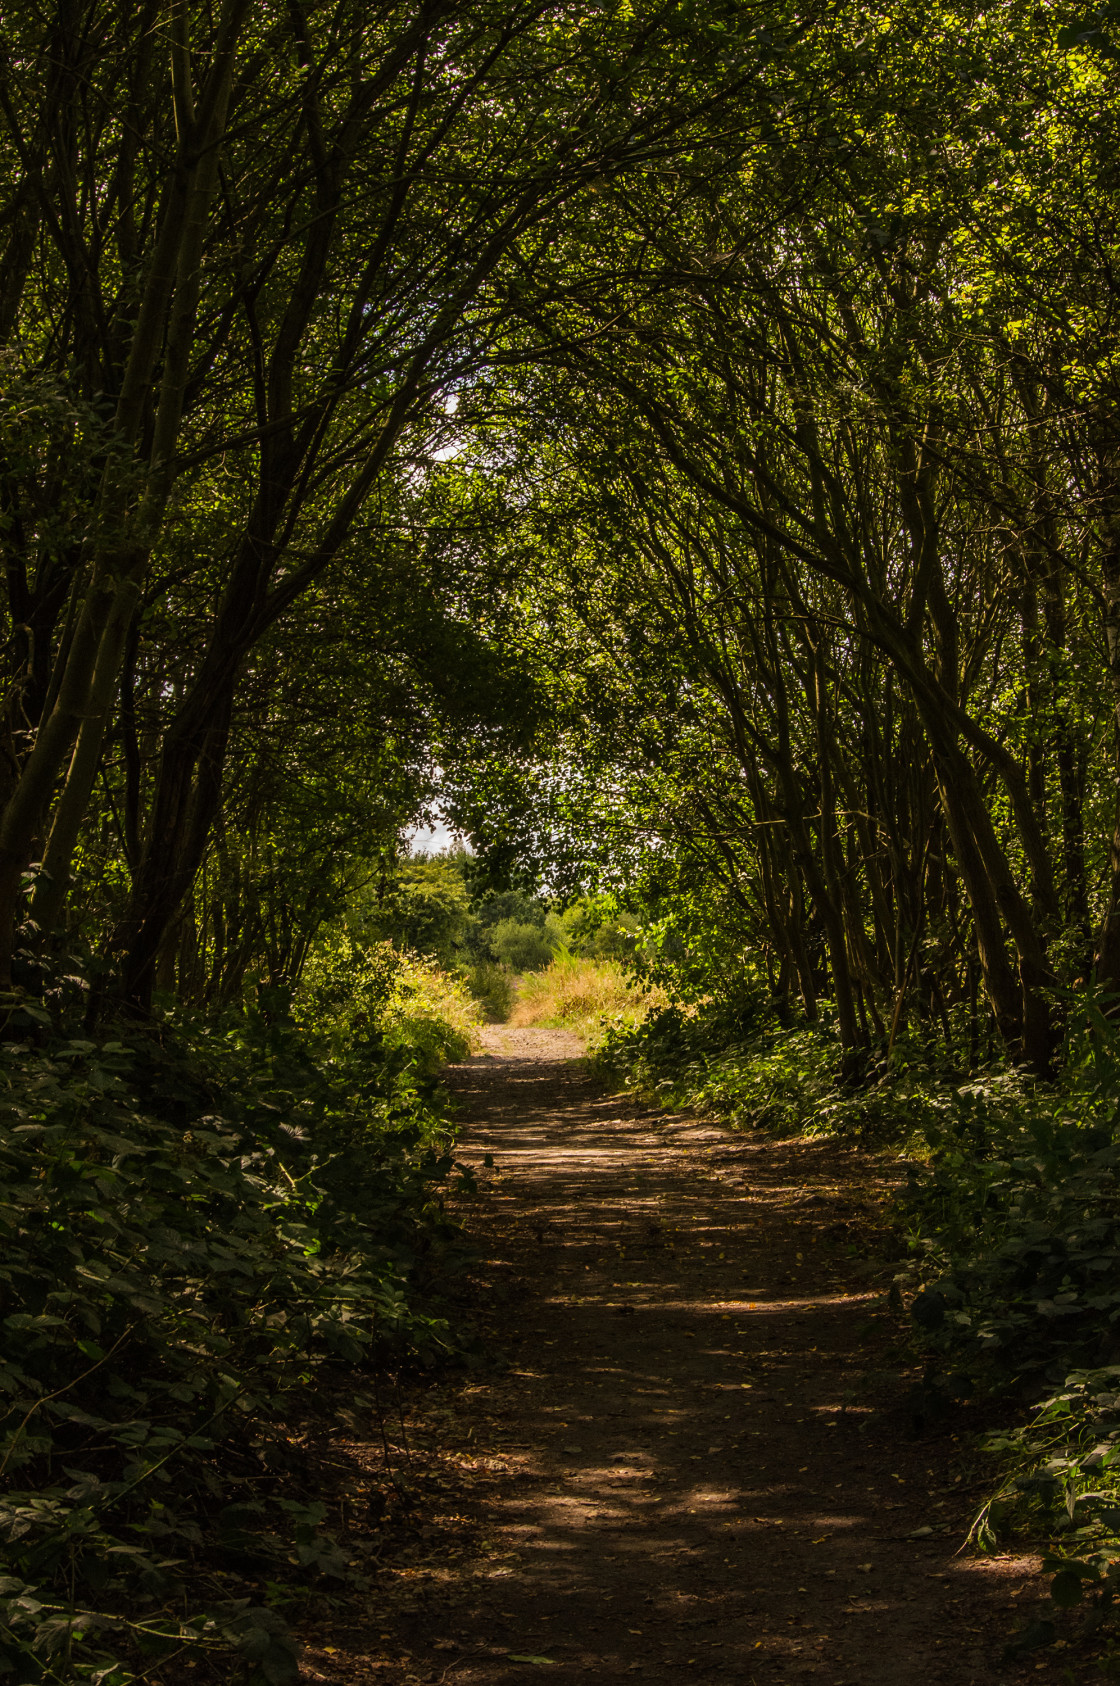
697	1465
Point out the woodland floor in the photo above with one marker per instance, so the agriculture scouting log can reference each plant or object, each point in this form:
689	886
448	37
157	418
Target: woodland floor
689	1454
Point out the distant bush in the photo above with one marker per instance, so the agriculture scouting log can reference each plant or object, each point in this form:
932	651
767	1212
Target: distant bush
492	987
520	946
344	989
425	905
509	911
431	1013
511	904
596	929
349	989
425	910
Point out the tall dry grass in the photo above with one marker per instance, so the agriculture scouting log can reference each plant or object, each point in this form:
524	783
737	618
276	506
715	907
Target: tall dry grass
575	994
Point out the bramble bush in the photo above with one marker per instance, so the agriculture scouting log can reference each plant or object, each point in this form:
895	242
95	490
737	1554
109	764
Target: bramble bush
197	1225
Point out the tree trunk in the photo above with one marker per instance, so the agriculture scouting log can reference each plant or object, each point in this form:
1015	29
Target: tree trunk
1107	962
158	357
187	798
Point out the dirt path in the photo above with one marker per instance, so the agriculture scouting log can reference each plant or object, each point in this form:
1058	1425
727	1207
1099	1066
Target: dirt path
696	1465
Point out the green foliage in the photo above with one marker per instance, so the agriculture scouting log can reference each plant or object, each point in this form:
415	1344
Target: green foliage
344	988
736	1058
510	905
523	933
425	906
520	946
195	1227
742	1059
492	987
1062	1478
430	1015
596	928
1014	1221
426	909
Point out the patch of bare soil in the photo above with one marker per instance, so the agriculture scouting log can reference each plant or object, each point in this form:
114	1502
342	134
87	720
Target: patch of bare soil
697	1463
511	1042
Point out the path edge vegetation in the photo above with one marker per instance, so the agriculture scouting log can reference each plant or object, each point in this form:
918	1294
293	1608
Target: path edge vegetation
221	1239
1003	1251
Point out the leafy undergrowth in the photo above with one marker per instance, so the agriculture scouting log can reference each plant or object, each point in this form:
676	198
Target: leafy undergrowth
431	1012
1009	1232
492	989
581	994
1013	1227
202	1230
352	989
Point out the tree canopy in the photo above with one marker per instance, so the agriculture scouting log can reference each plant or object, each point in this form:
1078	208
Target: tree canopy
684	436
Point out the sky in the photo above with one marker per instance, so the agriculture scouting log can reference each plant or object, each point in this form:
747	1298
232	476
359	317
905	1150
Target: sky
431	839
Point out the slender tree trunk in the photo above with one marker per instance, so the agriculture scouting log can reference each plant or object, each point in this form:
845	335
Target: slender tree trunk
187	799
1107	962
159	353
53	881
800	946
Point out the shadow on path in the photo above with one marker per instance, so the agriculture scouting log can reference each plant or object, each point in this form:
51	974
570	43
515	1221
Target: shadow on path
696	1466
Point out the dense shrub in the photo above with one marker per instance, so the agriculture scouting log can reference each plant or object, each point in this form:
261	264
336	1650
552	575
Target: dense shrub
195	1226
431	1014
520	946
351	989
734	1059
492	987
424	910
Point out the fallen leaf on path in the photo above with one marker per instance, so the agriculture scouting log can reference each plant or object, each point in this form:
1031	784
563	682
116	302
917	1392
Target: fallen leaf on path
550	1661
